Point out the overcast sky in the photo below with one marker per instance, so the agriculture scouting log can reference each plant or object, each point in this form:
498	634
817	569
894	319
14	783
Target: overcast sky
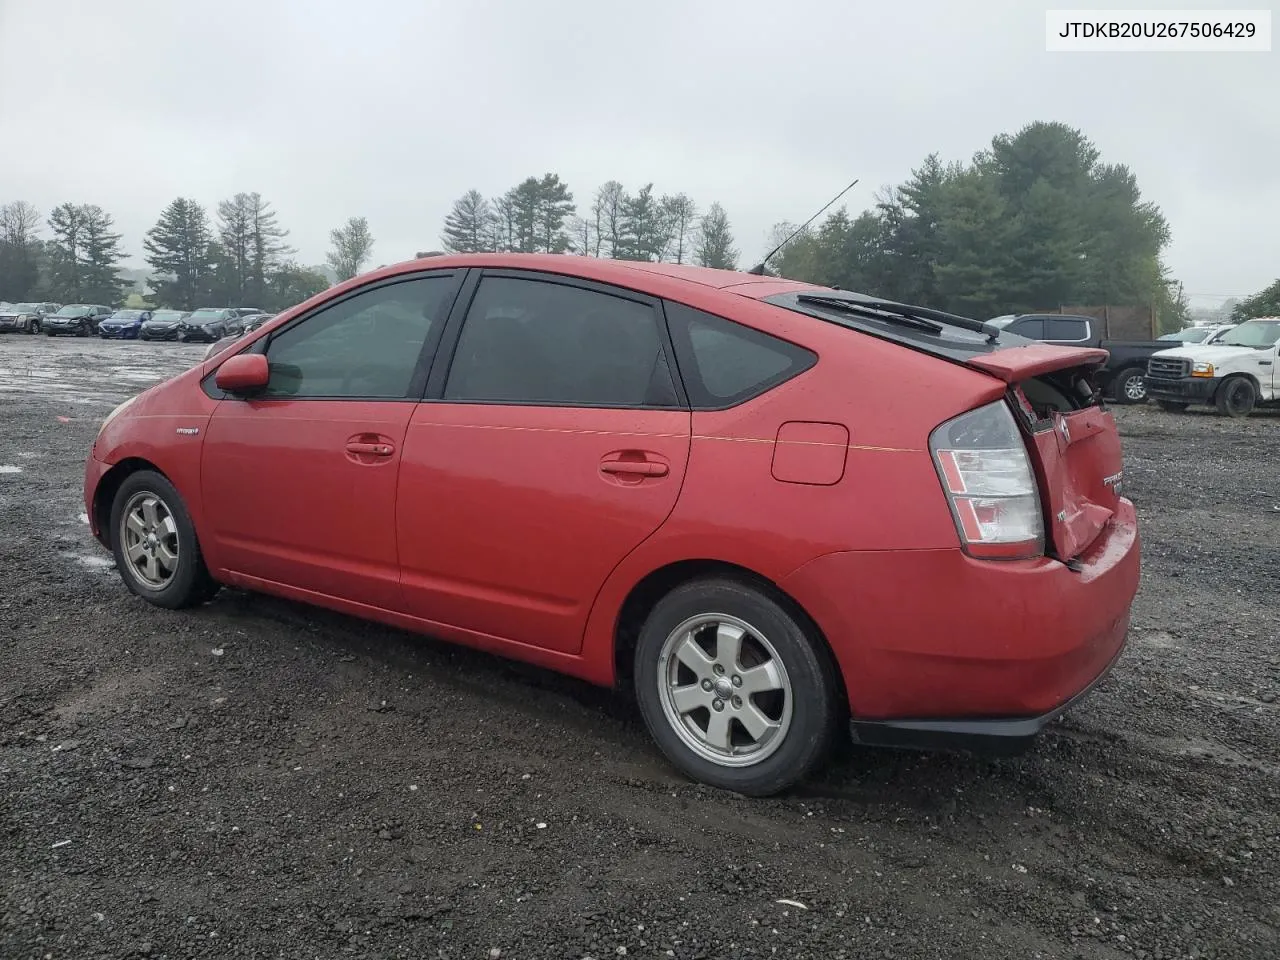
390	109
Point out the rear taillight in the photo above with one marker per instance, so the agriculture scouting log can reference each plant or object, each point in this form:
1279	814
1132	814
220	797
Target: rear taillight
986	473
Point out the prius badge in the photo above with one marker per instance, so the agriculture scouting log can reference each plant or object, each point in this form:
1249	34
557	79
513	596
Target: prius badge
188	431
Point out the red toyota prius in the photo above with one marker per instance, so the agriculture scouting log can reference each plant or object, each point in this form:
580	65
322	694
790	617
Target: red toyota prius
773	510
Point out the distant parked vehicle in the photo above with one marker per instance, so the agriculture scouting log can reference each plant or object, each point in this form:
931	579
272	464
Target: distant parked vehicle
246	325
25	317
206	325
77	319
163	325
1209	333
1122	377
1235	374
124	325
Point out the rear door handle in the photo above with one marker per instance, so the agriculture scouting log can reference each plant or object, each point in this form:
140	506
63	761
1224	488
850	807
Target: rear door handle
634	468
370	449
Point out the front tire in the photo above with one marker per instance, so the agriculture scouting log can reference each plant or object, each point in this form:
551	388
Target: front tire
155	544
1131	386
1236	398
735	690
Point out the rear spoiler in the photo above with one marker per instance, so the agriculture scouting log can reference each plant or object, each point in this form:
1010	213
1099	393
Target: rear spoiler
1019	363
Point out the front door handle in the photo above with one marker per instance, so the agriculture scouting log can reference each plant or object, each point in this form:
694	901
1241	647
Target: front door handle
370	449
634	468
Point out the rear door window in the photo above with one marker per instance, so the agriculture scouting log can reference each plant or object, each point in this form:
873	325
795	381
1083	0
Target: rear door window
724	363
1067	329
529	341
1030	327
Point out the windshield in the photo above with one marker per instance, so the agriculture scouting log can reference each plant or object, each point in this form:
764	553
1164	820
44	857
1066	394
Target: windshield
74	310
1190	335
1254	333
205	316
167	315
126	315
1004	321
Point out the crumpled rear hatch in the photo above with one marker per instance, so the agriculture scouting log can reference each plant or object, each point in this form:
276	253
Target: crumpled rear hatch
1074	441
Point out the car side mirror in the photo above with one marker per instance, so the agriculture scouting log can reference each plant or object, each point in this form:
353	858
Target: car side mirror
243	373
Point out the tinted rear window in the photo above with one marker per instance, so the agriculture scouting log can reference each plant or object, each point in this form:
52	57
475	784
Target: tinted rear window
725	363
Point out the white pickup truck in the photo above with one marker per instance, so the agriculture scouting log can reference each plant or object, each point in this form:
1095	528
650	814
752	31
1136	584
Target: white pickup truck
1236	373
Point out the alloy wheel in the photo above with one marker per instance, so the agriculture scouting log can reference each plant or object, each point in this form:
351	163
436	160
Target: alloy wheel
149	537
724	690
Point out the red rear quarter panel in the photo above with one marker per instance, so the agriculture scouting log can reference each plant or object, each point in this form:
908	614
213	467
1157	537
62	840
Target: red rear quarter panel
733	510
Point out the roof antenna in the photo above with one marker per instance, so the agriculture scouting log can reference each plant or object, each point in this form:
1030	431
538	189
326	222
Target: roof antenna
758	269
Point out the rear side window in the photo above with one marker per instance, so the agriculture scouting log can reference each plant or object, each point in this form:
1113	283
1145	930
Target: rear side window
725	363
1067	329
1030	327
533	342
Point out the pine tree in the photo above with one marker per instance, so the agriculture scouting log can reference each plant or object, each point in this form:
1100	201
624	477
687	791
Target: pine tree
352	246
178	249
66	253
715	242
102	256
469	227
646	229
555	207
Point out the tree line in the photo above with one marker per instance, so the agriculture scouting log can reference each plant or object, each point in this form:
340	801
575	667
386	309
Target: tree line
1036	221
238	256
539	215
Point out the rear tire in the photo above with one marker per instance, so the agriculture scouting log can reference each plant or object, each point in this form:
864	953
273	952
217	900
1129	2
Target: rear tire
733	689
1130	386
1172	406
1236	398
155	544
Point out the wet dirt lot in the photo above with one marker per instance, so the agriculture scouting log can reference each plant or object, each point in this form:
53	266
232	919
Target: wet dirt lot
260	779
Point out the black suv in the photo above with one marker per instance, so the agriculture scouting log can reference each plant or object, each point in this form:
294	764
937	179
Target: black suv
78	319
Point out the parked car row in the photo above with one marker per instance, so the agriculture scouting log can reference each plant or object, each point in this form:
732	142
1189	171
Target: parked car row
206	325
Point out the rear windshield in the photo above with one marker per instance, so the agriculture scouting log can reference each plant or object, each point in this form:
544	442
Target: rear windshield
952	342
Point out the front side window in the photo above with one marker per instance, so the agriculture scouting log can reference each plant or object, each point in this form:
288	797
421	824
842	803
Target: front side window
541	342
366	346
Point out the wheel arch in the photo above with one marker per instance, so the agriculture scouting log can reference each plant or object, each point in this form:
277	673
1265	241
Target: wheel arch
653	586
105	494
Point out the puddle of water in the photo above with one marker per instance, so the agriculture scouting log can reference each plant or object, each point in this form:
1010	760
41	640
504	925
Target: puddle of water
9	469
94	561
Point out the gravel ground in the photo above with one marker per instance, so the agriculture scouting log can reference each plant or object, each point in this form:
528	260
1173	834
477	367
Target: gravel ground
261	779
